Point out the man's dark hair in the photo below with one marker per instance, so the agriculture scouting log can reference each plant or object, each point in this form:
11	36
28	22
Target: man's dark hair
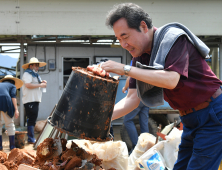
10	81
133	14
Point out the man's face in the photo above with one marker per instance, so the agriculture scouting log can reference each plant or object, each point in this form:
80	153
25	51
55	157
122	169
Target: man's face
130	39
34	67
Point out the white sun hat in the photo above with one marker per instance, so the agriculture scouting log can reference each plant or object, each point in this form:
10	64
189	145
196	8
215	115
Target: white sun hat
18	82
33	60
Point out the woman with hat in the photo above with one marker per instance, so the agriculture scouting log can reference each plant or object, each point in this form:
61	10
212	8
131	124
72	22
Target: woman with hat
8	106
32	94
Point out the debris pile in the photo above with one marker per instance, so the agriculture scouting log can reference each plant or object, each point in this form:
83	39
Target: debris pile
3	157
16	157
52	154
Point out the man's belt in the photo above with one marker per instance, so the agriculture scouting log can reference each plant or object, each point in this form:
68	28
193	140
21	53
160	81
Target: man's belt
202	105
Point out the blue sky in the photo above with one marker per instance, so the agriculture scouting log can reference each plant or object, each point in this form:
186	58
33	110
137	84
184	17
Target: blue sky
13	55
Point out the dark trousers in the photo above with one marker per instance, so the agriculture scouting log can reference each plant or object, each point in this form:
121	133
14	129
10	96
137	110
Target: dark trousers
143	112
31	110
201	141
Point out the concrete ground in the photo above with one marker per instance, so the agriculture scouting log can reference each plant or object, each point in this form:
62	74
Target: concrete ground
5	139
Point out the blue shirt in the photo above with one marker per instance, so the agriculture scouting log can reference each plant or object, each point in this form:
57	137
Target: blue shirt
7	92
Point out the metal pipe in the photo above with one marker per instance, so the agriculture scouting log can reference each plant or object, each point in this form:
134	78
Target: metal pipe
21	107
55	56
44	48
159	130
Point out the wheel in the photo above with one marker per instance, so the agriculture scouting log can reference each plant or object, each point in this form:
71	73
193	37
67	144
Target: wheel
125	137
160	119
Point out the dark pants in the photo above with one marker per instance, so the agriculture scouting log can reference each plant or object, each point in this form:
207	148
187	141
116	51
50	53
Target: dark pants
31	110
143	112
201	141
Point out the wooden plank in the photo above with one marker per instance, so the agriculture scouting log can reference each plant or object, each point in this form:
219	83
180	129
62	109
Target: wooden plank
159	111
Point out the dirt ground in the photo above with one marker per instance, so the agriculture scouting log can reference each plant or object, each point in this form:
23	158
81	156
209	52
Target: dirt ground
5	142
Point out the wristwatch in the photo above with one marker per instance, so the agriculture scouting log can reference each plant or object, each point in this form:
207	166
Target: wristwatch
126	69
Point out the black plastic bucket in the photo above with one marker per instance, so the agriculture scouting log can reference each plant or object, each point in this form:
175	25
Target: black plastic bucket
86	106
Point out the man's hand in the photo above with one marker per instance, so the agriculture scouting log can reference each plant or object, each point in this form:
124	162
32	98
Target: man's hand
113	67
98	71
106	67
43	85
44	81
124	89
16	113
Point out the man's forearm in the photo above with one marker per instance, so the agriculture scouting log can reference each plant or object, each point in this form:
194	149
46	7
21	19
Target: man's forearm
125	106
159	78
32	86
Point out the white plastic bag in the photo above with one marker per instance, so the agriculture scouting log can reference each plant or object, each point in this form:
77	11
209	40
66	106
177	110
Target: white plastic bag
114	154
152	159
145	142
171	147
163	154
40	125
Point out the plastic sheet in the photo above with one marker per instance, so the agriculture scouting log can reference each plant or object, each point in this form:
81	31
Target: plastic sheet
163	154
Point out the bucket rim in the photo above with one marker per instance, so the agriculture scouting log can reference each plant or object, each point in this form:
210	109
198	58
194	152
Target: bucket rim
84	71
108	138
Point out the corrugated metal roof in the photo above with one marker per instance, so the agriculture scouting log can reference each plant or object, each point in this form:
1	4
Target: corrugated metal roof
7	71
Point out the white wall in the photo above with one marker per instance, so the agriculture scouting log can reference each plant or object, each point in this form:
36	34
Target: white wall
87	17
55	78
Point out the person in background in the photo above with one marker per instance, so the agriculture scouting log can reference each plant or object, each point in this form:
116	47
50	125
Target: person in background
142	111
32	94
8	107
169	63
